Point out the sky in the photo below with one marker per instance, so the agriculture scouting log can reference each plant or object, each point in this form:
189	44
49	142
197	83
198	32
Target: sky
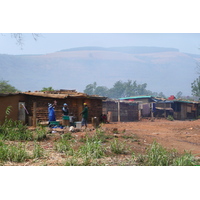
52	42
105	23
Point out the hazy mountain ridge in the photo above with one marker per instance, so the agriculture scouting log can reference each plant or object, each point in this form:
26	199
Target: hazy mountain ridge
130	49
163	69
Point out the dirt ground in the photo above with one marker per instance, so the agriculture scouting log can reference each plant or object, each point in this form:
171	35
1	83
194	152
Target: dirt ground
179	135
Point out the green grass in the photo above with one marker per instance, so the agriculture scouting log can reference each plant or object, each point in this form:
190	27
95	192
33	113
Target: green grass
170	118
92	149
16	131
40	133
64	146
13	153
67	136
99	136
187	159
156	155
38	151
118	147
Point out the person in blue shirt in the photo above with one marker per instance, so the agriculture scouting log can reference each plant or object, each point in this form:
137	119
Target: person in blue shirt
51	111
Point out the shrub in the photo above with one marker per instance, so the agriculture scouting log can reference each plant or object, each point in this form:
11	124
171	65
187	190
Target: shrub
13	153
170	118
63	146
67	136
72	161
118	147
40	133
15	130
187	159
38	151
92	149
156	155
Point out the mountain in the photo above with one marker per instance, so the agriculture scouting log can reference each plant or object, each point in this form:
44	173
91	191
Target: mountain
163	69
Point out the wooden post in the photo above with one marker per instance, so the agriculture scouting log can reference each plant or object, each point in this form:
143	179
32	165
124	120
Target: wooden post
109	117
119	111
139	111
152	117
165	115
34	113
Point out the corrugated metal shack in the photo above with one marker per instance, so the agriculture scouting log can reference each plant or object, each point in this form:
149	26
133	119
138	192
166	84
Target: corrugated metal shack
145	104
28	106
120	110
159	107
184	109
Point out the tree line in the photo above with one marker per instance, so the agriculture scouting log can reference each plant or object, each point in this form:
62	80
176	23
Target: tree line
120	89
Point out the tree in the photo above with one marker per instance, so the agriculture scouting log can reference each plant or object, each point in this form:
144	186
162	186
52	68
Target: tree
118	90
19	37
90	89
7	88
196	87
47	89
101	91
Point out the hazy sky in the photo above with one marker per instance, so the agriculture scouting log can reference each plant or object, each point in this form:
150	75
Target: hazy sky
52	42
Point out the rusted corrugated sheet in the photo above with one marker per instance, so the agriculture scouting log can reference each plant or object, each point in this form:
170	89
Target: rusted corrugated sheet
64	95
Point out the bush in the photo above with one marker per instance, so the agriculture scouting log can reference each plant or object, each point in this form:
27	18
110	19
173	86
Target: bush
15	131
159	156
92	149
187	159
63	146
156	155
170	118
38	151
67	136
40	133
118	147
13	153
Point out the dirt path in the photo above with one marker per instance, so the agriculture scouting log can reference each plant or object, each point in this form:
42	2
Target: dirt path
181	135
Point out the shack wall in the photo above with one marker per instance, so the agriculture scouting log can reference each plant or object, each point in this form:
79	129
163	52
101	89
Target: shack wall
75	107
185	111
13	101
128	111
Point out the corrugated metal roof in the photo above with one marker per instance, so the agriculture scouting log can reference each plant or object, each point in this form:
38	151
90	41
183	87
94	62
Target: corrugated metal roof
64	96
160	100
184	101
136	97
58	95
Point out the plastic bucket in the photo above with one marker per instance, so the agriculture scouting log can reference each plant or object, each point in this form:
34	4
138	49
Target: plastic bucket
78	124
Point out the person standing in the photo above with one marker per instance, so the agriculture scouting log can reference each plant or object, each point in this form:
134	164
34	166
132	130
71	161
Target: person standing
84	114
51	111
65	109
